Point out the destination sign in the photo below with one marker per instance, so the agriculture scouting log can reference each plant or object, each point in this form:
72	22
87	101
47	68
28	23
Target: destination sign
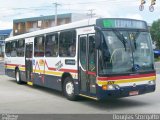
121	23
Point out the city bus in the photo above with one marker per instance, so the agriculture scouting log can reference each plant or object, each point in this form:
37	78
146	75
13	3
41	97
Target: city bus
97	58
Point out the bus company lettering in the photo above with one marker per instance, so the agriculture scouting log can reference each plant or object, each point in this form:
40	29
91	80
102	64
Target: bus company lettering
59	65
70	62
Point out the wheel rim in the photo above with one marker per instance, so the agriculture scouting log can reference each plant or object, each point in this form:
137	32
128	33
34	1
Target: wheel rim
17	76
69	88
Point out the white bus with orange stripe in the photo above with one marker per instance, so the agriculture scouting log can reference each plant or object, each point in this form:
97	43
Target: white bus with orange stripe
95	58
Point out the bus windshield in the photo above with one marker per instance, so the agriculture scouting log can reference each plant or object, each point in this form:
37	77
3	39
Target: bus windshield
125	52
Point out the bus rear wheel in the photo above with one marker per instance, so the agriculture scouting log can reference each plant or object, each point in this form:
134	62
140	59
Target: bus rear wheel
18	77
69	89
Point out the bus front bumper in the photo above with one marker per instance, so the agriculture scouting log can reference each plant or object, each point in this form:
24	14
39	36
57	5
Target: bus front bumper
124	91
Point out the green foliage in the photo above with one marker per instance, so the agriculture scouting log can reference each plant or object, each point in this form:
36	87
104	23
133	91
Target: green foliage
155	32
157	59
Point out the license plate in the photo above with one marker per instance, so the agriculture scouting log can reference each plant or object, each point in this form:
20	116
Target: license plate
131	93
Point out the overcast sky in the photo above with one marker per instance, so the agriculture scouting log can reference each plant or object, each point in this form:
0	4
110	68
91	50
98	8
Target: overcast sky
16	9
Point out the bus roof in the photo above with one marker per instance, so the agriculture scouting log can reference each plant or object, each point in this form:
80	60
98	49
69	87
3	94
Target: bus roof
78	24
82	23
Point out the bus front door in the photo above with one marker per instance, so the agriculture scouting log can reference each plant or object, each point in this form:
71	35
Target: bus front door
28	60
87	60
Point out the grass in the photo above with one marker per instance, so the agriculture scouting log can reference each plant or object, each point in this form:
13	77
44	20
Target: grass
157	59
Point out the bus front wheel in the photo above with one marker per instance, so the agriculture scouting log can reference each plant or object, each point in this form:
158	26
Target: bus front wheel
69	89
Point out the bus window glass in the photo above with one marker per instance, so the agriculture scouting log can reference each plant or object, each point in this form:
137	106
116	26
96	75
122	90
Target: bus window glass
20	48
67	44
7	49
39	46
13	48
91	53
51	45
83	51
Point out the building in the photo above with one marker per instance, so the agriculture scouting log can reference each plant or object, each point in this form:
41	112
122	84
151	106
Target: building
26	25
3	35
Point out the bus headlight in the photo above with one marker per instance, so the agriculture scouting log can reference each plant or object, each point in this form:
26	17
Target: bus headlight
113	87
152	82
110	87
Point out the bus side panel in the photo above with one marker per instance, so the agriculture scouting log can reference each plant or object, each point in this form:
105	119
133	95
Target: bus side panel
10	66
53	82
10	72
37	79
44	73
48	81
11	63
23	75
49	72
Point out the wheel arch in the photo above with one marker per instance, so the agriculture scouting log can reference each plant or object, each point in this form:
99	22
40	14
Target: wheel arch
74	97
64	76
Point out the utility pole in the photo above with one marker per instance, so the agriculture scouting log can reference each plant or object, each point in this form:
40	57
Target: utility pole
91	14
56	5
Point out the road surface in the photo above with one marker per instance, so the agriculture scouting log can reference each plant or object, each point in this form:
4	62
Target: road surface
25	99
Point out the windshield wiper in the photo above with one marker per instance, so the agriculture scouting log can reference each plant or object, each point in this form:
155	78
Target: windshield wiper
120	37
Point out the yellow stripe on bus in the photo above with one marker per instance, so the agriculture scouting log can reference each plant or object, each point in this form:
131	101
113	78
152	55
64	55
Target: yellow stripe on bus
55	73
13	67
94	98
48	72
10	67
22	69
127	80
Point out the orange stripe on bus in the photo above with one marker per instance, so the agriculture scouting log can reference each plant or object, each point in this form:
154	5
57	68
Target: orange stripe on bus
125	77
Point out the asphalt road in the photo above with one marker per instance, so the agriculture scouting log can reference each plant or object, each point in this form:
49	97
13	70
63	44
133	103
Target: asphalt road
25	99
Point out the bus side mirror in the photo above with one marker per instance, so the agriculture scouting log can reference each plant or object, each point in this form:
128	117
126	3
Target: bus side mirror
98	39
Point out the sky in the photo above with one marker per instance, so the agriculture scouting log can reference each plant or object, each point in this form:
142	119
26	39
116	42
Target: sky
17	9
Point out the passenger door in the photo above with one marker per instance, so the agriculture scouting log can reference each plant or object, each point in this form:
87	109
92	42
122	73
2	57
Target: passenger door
87	64
28	60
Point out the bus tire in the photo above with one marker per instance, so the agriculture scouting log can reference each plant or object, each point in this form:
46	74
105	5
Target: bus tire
18	77
69	89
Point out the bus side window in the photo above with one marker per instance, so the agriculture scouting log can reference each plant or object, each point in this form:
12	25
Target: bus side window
14	49
67	44
20	48
51	45
8	49
39	46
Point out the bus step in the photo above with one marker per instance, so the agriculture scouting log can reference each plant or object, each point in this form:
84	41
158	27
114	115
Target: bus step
30	83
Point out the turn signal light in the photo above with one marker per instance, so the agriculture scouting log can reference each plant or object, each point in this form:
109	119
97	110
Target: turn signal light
104	87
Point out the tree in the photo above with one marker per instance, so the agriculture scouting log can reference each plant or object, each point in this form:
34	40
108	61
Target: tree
155	32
